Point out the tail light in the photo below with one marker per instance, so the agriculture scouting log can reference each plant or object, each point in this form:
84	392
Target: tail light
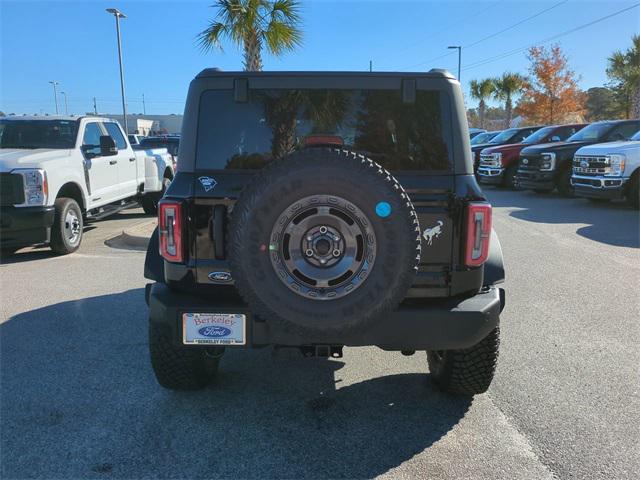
478	233
170	226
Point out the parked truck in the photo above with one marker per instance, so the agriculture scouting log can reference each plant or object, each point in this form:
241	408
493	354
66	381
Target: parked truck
508	136
607	171
543	168
56	173
499	165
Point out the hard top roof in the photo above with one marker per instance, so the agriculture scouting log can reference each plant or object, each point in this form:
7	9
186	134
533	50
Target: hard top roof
216	72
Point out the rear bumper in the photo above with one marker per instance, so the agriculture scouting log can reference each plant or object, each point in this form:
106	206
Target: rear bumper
416	325
598	187
535	180
20	227
490	175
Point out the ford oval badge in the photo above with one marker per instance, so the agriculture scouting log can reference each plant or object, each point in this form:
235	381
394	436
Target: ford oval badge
220	277
214	331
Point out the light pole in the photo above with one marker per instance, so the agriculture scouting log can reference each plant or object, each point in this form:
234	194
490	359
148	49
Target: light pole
118	14
66	109
459	48
55	93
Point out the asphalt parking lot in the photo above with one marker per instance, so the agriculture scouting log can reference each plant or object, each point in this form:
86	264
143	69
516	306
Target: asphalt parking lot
78	398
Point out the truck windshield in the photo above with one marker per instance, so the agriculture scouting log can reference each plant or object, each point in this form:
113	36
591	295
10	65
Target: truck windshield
538	136
594	131
482	138
505	136
38	134
636	137
274	123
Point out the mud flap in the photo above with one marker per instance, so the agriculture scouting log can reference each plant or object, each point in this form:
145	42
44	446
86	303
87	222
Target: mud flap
494	266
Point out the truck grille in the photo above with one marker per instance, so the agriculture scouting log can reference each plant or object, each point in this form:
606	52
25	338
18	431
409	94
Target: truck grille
529	162
488	160
11	189
591	165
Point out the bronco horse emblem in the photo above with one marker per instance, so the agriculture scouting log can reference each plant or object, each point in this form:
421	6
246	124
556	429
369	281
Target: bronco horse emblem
434	232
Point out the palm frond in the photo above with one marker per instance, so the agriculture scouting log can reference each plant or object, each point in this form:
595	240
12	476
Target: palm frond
211	37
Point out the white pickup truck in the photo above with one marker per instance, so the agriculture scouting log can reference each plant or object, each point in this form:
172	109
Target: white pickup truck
606	171
56	173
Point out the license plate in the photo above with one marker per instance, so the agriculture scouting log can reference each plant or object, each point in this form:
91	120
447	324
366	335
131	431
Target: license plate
213	329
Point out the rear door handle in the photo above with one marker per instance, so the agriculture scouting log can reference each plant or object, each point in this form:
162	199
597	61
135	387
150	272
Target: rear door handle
132	159
113	162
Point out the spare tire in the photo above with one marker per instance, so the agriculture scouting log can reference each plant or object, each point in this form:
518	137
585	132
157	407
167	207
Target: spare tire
323	240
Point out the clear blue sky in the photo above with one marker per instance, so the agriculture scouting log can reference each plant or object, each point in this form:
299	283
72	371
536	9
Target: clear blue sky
74	43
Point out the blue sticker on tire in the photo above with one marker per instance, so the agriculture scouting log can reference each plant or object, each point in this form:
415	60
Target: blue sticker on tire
383	209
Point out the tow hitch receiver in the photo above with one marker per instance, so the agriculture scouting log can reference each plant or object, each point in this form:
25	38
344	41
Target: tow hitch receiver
324	351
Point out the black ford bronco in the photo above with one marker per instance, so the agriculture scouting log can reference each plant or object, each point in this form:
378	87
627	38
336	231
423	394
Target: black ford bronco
322	210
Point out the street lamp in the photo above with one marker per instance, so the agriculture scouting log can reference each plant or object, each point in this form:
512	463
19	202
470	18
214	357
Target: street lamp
118	14
459	48
55	93
66	110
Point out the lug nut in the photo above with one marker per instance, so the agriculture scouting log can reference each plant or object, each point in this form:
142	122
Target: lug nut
336	253
323	230
309	253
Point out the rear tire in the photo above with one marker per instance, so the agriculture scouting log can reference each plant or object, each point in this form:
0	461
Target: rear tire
633	191
149	202
7	251
178	367
509	180
66	232
598	200
467	371
564	183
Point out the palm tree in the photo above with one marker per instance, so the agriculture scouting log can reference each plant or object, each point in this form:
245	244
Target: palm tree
252	24
506	87
482	90
624	67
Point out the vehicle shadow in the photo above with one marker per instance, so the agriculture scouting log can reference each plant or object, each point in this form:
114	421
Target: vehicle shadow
79	401
612	223
36	252
27	255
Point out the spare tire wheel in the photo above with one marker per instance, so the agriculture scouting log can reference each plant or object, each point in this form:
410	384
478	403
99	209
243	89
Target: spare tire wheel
323	240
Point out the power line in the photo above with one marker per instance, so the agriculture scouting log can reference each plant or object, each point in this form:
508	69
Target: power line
515	24
448	26
510	27
546	40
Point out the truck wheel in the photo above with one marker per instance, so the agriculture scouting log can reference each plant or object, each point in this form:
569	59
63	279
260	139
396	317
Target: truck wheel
181	368
66	232
564	183
149	204
7	251
150	201
324	240
633	191
467	371
510	177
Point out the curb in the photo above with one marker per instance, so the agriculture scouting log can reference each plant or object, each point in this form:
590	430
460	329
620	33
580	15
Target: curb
134	238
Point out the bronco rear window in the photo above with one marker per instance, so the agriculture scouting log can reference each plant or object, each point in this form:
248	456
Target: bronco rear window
273	123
